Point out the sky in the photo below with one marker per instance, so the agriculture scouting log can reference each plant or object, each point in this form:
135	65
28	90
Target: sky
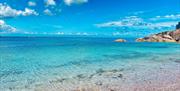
126	18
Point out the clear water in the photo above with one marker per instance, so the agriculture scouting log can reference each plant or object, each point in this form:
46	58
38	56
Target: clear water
26	61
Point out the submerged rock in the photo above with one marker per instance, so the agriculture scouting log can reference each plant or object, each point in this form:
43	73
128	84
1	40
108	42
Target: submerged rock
114	73
168	36
120	40
177	61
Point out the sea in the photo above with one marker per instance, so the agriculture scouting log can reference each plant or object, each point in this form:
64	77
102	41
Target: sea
26	62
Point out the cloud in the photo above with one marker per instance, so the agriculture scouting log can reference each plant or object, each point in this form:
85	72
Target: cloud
172	17
31	3
60	33
4	28
163	24
70	2
50	2
126	22
48	12
28	12
75	33
135	22
7	11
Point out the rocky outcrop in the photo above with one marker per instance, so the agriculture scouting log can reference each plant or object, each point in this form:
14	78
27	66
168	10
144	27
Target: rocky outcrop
178	26
168	36
120	40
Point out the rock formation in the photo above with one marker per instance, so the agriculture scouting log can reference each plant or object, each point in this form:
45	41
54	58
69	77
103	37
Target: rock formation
120	40
168	36
178	26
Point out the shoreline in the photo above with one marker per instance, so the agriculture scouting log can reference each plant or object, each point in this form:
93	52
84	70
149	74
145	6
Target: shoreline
103	67
140	77
161	79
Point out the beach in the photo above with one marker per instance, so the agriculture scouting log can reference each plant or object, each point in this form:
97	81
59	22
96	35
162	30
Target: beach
163	78
87	64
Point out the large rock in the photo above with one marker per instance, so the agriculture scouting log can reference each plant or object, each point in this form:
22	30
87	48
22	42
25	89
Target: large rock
168	36
178	26
120	40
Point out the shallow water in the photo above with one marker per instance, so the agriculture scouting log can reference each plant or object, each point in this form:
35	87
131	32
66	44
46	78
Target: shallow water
28	61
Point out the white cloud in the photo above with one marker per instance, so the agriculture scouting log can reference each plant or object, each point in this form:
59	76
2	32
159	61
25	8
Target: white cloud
31	3
126	22
28	12
70	2
81	33
60	33
30	32
7	11
75	33
172	16
163	24
6	28
137	23
116	33
50	2
48	12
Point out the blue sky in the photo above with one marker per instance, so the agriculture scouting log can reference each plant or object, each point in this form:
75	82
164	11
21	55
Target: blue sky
87	17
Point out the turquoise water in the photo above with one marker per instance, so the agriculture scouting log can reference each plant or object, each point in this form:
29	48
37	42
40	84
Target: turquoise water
26	61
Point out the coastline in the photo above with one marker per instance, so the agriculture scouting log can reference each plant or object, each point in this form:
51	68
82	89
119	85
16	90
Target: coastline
140	76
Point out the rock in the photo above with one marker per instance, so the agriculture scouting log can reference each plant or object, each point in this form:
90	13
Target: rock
99	83
99	71
114	73
81	76
120	76
168	36
177	61
120	40
178	26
